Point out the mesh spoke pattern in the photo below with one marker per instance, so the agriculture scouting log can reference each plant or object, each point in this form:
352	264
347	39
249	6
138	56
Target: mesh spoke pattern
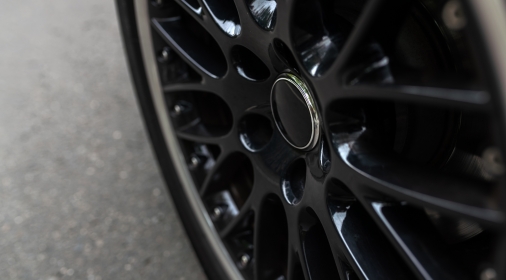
406	181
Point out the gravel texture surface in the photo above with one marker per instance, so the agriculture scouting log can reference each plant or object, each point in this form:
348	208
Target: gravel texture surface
80	193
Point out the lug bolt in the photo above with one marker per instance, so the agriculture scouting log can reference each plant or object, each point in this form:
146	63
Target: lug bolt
453	15
244	260
181	107
194	161
488	274
165	55
492	161
217	213
178	109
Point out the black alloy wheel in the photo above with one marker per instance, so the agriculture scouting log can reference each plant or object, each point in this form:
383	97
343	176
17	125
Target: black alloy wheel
329	139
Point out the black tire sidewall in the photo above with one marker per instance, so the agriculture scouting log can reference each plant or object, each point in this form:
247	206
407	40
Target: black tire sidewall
194	230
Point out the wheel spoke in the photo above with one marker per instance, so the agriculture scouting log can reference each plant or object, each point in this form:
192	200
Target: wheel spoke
204	58
177	87
192	6
303	268
318	249
294	267
282	30
365	247
238	219
381	20
192	134
450	98
419	242
240	243
219	173
271	239
449	194
355	239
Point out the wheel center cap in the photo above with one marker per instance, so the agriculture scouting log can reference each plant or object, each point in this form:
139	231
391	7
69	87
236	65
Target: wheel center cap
295	112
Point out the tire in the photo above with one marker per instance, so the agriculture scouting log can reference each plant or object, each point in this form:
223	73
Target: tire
340	140
126	14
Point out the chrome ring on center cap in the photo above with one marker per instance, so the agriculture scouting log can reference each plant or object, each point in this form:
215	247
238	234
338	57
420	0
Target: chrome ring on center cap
288	95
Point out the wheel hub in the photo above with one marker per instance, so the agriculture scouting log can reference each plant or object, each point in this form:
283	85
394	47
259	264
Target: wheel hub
295	111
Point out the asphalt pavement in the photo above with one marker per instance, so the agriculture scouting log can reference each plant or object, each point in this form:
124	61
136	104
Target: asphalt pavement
81	196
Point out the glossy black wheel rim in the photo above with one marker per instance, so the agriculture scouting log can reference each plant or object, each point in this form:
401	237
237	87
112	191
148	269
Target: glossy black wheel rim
407	179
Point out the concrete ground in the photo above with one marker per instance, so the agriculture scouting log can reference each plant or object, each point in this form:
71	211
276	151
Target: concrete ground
80	193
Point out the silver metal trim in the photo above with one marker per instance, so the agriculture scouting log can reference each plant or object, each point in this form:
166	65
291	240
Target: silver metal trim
210	233
311	106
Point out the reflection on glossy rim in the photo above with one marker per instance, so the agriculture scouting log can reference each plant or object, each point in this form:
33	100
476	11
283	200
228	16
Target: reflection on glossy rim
264	13
196	9
228	25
